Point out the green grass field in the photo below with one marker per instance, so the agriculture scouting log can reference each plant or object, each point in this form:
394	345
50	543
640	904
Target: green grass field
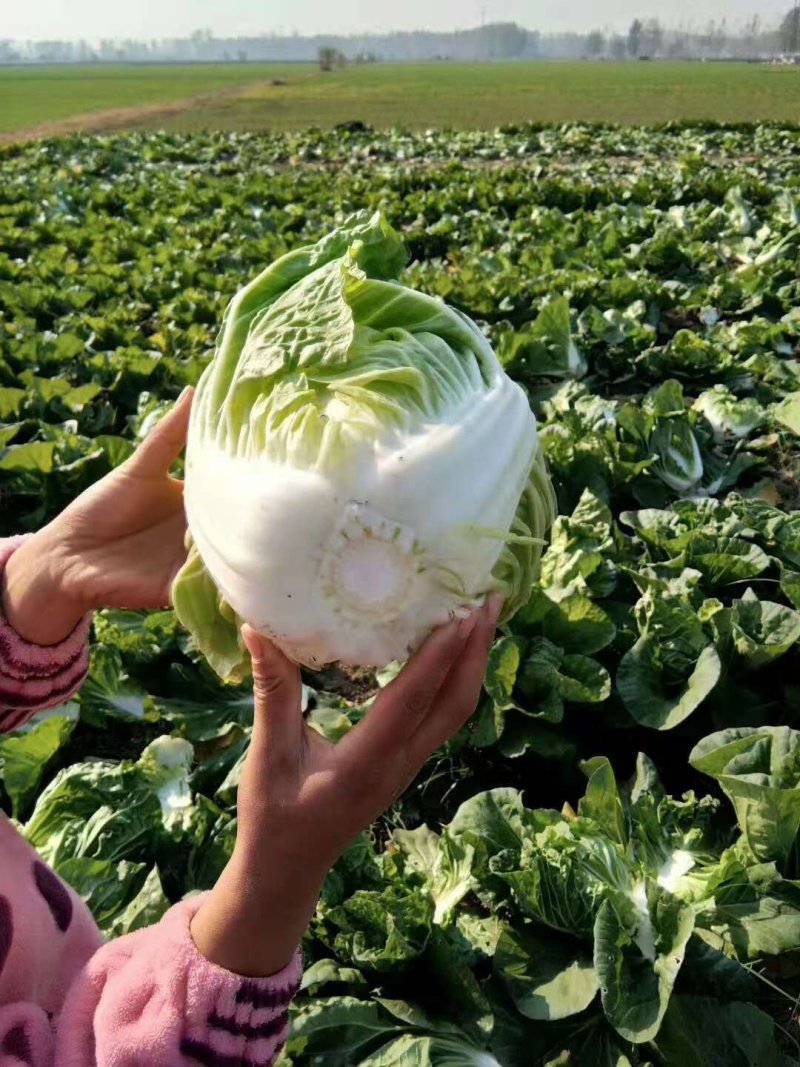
240	96
33	95
485	95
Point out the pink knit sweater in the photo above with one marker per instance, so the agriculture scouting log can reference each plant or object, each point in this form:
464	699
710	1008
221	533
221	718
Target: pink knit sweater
146	1000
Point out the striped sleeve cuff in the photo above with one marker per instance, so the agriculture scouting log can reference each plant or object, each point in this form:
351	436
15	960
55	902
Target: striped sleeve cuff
231	1020
34	677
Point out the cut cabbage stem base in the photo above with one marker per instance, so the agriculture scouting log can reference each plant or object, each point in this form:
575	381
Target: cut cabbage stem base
374	565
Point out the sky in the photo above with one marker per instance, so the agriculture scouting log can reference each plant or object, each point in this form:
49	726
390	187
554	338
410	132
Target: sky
146	19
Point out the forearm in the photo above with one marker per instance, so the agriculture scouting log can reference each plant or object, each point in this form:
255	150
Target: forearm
33	599
252	921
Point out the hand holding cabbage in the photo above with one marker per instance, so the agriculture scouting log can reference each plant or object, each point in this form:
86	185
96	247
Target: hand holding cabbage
359	468
322	795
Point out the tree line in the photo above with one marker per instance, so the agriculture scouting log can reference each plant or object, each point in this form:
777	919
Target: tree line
646	38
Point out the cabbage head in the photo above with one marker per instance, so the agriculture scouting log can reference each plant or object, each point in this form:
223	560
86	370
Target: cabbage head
359	467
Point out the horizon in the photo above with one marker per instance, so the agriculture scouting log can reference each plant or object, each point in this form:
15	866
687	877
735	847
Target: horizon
93	20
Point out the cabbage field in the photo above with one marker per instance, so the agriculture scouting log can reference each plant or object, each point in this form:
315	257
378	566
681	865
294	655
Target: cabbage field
603	868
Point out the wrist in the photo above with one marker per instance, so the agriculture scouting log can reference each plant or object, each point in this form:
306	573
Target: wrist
36	598
251	923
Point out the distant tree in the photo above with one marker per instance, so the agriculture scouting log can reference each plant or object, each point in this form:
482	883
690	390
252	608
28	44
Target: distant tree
595	43
8	51
502	40
680	46
635	38
618	47
652	37
331	57
201	41
790	30
713	38
722	36
327	58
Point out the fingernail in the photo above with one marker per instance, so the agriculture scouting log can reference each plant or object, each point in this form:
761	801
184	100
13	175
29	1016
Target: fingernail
251	640
467	624
494	605
184	393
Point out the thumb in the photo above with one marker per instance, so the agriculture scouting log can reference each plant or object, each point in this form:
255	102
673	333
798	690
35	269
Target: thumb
165	442
277	691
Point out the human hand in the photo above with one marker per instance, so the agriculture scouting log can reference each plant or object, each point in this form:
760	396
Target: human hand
119	544
302	799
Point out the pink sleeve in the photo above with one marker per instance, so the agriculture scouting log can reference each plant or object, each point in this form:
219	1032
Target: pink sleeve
34	677
151	998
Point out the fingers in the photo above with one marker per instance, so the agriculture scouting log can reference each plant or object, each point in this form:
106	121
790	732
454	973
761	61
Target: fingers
277	690
460	694
165	442
406	700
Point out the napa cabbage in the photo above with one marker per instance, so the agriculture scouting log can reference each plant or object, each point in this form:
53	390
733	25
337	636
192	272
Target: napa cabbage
726	414
359	466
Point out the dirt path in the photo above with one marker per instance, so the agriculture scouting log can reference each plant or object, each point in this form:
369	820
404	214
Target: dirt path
118	118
